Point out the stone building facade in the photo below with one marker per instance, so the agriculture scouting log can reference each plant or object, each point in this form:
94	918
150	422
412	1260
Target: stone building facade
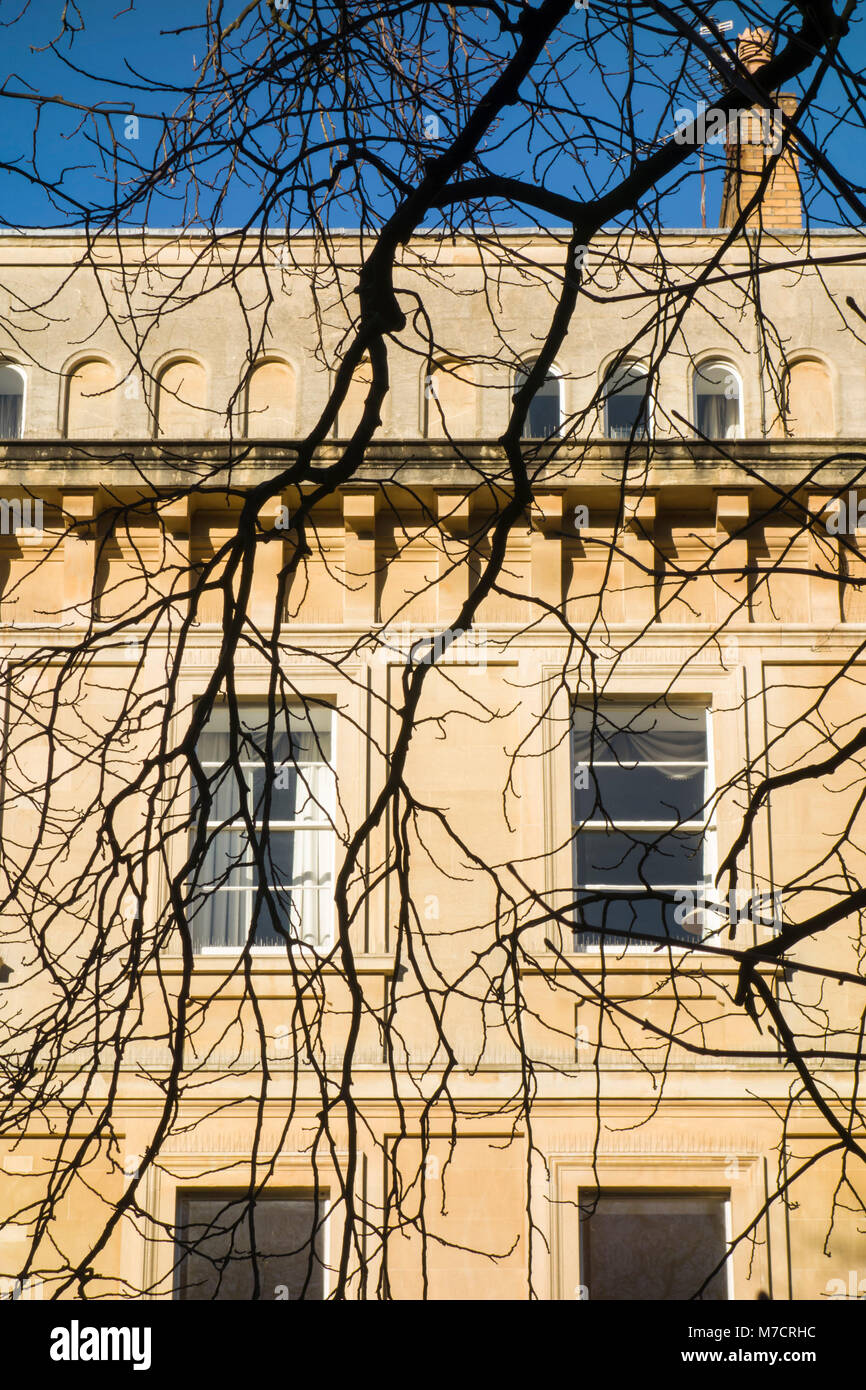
701	574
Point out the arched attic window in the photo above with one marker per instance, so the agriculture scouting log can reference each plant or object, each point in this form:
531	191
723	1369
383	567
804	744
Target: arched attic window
544	416
718	402
626	403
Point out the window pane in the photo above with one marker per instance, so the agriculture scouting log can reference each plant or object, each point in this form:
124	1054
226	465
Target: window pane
288	1248
626	406
640	794
615	920
297	864
717	401
298	733
298	867
299	792
221	919
544	415
11	402
640	1247
636	763
624	859
302	912
616	732
227	861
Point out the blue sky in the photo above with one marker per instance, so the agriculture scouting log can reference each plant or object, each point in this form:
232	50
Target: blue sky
125	49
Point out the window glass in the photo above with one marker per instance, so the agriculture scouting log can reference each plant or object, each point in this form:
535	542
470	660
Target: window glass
213	1247
545	410
282	783
639	1247
640	818
626	405
11	403
717	401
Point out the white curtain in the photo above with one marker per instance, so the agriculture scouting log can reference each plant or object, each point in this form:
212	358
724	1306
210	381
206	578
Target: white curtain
630	733
10	417
717	416
297	846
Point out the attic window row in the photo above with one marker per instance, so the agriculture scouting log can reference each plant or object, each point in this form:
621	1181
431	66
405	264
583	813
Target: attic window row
628	402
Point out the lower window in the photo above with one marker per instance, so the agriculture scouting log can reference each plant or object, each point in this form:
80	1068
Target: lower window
642	827
274	774
213	1249
661	1246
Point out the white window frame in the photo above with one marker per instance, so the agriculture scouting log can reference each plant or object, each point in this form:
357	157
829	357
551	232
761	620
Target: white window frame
727	366
323	827
19	371
707	828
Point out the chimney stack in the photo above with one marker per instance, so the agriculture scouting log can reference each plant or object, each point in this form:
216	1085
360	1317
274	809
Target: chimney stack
753	139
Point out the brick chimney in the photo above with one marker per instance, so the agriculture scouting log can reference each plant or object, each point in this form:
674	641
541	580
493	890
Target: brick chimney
753	138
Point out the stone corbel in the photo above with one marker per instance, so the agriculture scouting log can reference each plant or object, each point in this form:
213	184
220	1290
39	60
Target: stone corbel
638	543
452	588
270	557
546	548
79	512
175	519
731	552
825	600
359	565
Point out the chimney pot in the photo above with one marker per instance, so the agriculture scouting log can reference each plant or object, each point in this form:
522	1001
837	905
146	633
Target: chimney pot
750	147
755	48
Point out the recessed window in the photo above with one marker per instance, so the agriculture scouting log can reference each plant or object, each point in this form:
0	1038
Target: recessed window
213	1247
283	781
11	402
717	401
450	401
181	401
807	400
626	404
544	417
355	400
271	401
653	1246
641	820
91	401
